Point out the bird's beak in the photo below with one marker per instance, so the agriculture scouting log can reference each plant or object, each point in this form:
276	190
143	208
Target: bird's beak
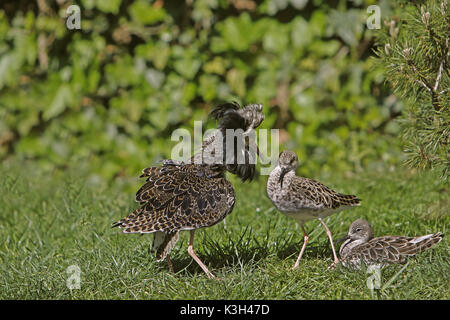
283	172
343	239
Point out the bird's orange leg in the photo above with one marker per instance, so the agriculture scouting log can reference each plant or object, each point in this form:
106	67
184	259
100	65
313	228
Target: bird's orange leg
305	242
336	260
194	256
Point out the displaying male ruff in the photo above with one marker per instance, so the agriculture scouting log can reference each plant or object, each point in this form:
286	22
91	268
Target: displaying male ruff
360	246
304	199
181	196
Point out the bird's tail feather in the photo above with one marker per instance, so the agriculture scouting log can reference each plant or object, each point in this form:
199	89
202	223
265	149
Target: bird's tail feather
132	215
419	244
348	200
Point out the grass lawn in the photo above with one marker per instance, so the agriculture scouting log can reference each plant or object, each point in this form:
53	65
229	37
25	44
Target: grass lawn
49	222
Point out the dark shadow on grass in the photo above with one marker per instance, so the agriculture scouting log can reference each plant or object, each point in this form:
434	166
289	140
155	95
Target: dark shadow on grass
312	251
245	250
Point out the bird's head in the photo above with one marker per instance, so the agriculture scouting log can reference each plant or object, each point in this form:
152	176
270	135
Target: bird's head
287	161
360	230
242	120
232	116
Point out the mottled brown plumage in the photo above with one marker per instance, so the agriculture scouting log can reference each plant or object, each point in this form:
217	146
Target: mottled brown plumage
304	199
361	247
180	196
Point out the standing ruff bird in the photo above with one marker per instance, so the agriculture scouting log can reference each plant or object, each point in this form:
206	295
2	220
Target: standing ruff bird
360	246
304	199
180	196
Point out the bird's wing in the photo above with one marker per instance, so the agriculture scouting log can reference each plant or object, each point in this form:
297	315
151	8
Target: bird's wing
395	249
318	196
379	250
178	198
157	177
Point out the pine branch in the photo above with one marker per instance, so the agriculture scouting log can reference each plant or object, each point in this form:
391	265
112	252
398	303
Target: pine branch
417	58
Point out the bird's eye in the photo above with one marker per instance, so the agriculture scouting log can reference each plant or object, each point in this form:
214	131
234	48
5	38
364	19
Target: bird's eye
358	230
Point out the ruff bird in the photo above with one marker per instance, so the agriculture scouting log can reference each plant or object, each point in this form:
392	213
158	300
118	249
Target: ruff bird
304	199
186	196
361	247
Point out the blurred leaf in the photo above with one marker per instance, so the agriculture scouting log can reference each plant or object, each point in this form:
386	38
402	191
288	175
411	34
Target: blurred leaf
61	101
299	4
188	67
236	80
144	13
276	38
158	53
208	87
155	78
347	25
300	34
110	6
217	65
239	33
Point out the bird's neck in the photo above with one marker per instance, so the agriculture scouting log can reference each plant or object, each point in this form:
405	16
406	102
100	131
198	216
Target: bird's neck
349	245
275	172
274	180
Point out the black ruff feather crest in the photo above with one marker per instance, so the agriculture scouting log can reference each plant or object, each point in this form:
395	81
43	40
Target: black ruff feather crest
233	116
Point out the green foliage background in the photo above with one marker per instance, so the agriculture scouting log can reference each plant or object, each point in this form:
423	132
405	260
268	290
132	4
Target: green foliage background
109	95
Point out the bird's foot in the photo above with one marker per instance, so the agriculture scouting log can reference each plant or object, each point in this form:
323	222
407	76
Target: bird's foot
211	276
333	265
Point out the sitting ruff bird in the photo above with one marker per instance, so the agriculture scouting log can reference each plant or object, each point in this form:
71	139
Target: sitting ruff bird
180	196
361	247
304	199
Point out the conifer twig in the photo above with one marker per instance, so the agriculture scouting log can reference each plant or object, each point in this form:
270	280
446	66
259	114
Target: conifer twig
439	75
